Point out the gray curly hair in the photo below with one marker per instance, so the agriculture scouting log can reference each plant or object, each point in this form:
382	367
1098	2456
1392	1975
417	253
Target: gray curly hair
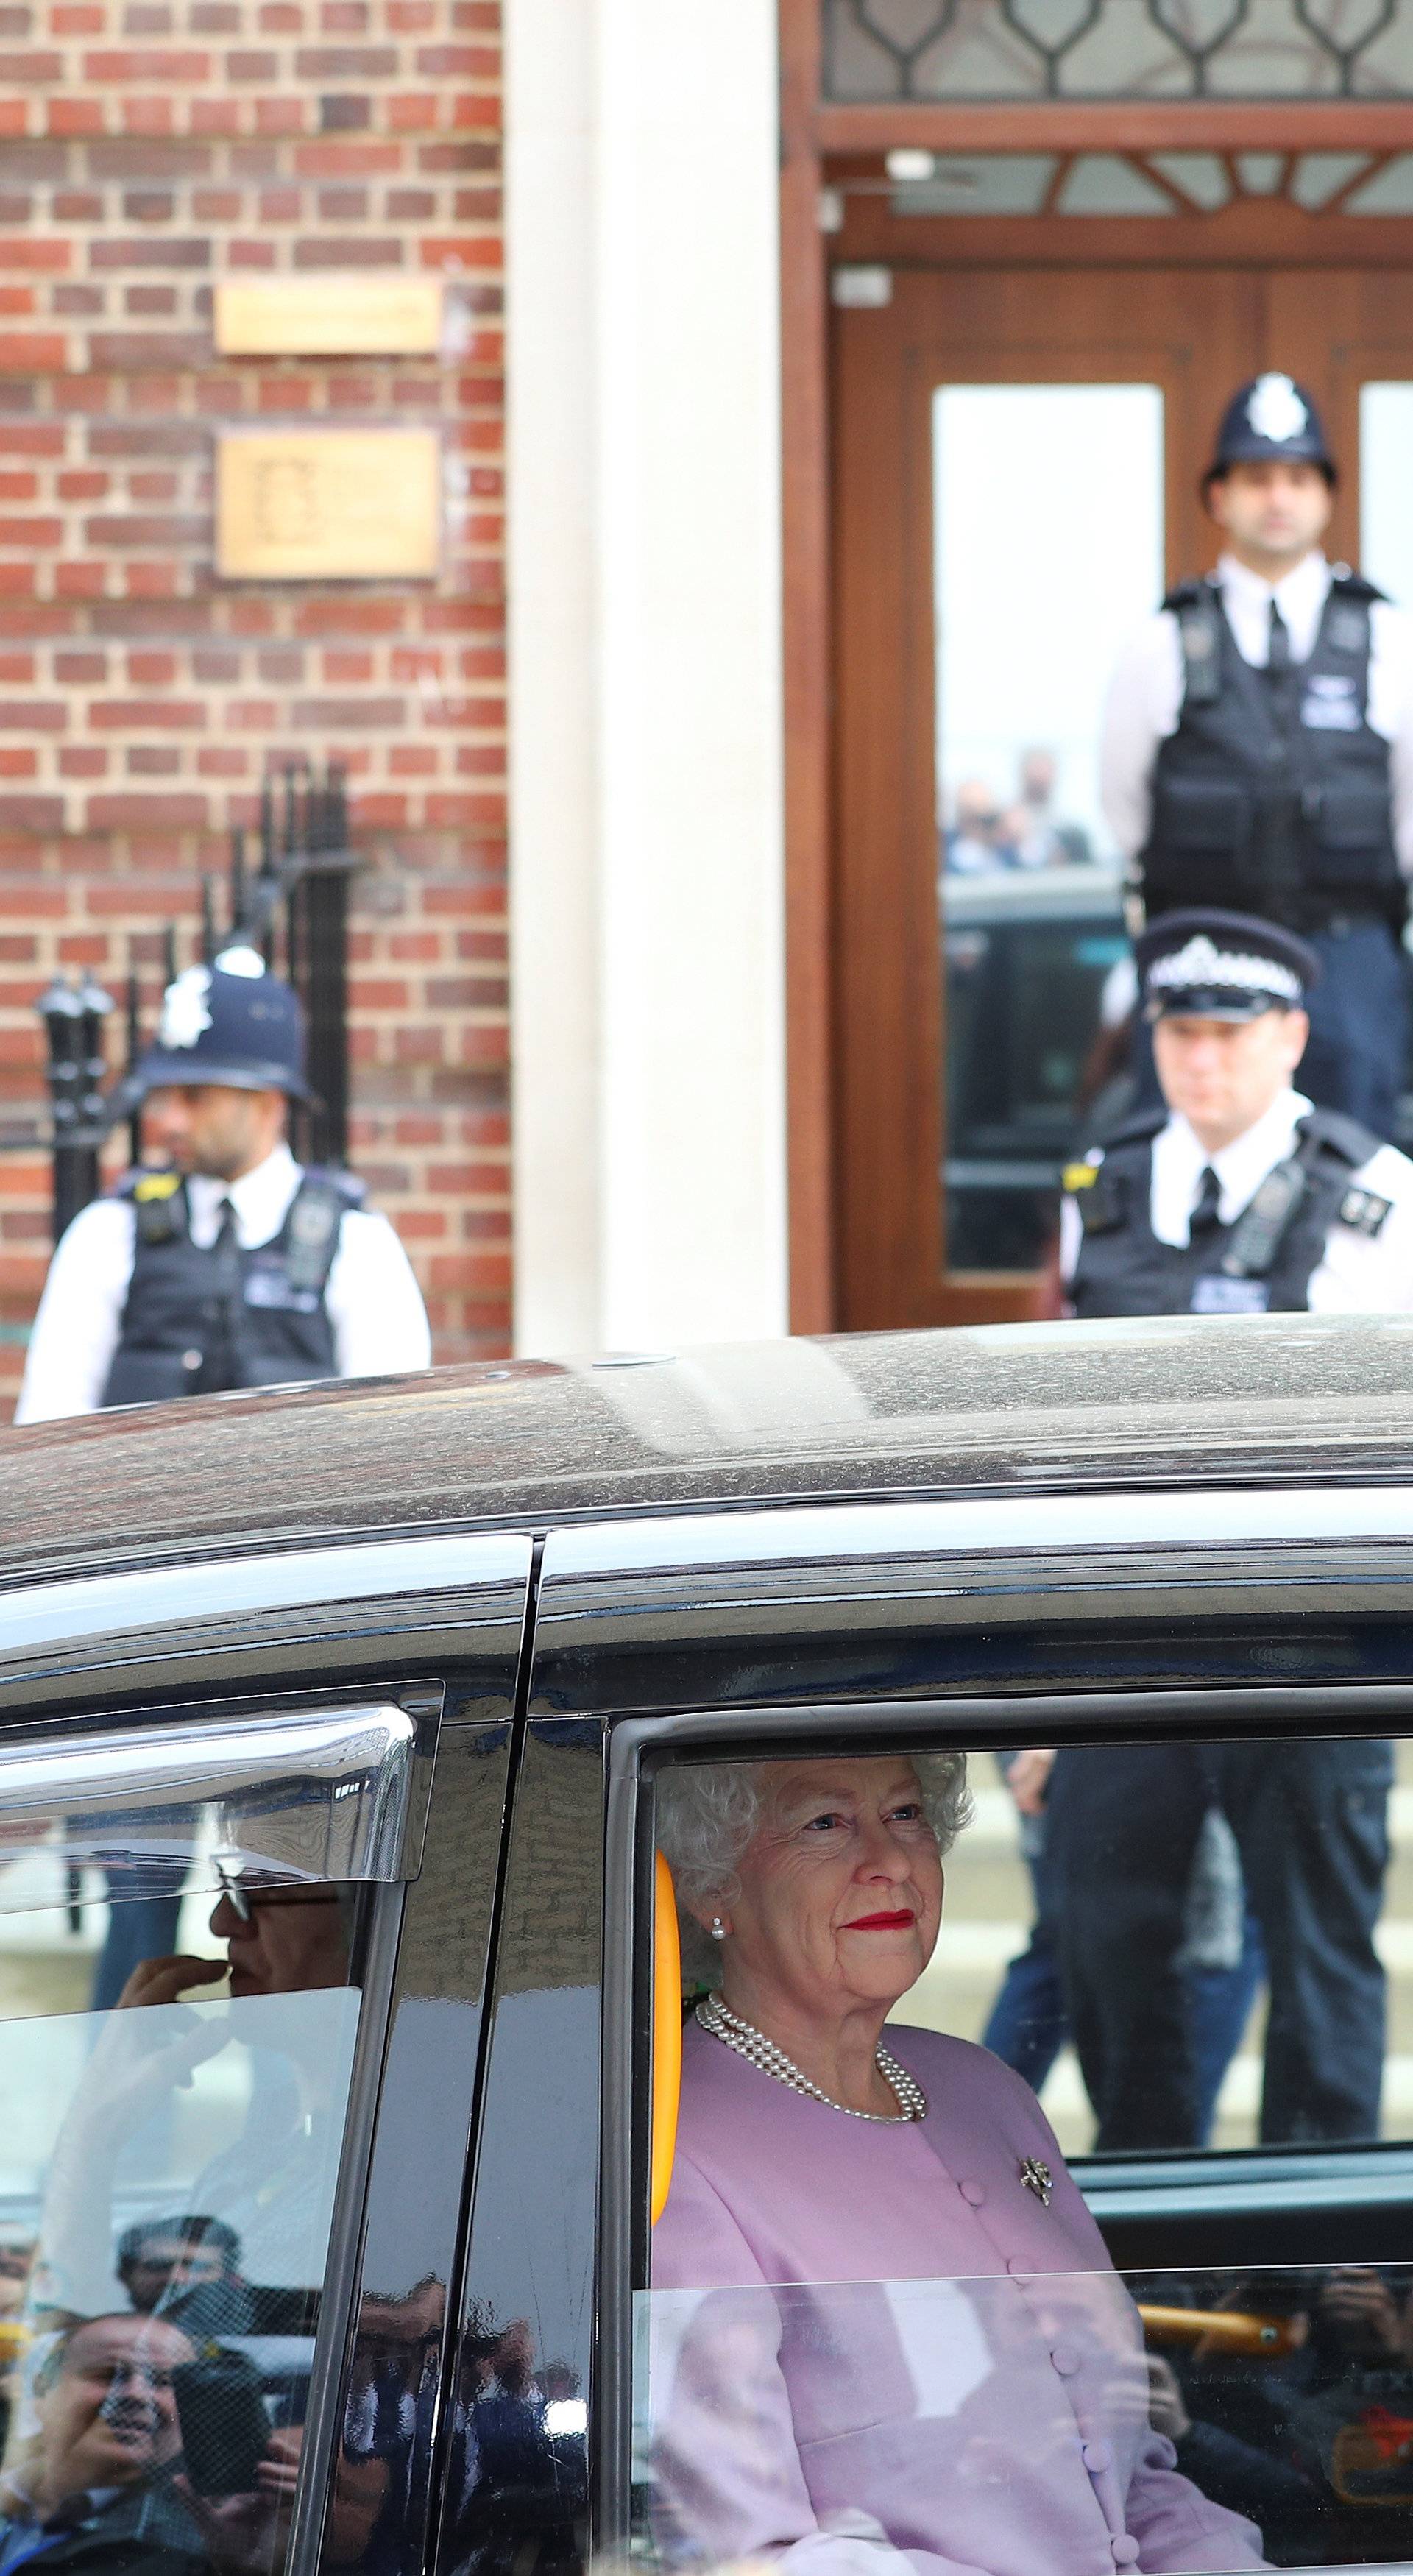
707	1813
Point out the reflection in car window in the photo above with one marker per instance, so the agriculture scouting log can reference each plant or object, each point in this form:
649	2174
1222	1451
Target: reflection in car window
167	2173
879	2307
932	2415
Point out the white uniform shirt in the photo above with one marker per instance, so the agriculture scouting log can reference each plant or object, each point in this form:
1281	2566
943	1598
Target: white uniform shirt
1360	1274
373	1301
1145	695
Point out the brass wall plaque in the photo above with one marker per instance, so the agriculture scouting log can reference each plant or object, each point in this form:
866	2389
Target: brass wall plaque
327	504
309	317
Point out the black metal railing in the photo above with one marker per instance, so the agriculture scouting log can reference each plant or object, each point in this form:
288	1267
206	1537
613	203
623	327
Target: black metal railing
291	907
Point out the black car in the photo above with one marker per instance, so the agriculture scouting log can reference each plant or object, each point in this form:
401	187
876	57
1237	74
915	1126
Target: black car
346	2262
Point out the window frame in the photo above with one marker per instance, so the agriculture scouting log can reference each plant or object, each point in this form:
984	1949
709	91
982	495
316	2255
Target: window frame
423	1700
641	1746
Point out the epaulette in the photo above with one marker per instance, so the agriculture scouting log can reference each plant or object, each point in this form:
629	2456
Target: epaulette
1138	1126
1197	607
1344	1136
1354	585
350	1189
317	1210
156	1201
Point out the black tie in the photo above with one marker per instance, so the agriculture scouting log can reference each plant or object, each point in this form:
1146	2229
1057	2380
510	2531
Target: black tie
1208	1209
1278	648
222	1308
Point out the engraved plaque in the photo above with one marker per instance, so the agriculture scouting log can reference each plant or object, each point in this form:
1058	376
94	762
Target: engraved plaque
310	317
327	504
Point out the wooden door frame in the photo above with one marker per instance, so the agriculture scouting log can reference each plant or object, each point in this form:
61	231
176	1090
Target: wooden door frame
820	142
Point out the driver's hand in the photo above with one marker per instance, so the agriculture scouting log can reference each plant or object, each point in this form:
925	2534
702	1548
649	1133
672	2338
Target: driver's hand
163	1981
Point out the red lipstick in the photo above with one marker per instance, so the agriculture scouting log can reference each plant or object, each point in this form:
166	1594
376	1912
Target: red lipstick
902	1922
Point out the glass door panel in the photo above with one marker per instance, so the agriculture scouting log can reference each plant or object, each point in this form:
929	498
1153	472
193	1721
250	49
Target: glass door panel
1386	487
1032	597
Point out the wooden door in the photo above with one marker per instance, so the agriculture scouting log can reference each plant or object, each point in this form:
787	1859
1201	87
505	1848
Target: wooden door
909	1241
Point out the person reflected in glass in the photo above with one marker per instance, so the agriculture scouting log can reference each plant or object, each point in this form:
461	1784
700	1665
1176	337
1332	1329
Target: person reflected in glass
918	2345
91	2480
189	2268
279	1941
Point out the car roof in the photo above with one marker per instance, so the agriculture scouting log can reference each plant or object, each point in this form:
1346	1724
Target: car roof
1171	1401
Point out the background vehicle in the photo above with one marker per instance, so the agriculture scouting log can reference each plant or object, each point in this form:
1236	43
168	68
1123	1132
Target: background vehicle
1027	954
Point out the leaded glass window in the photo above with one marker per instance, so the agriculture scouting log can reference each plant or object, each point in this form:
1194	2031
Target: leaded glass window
1019	49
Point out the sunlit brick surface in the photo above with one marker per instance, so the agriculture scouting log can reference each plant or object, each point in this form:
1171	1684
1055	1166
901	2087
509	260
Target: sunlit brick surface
146	152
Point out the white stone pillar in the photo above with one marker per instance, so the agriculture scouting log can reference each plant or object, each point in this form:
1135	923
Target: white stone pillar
645	690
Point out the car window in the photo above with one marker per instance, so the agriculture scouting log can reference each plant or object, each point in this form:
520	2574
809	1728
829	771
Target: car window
181	1982
1074	2231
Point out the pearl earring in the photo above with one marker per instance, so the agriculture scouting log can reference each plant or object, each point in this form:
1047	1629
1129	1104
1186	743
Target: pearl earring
718	1928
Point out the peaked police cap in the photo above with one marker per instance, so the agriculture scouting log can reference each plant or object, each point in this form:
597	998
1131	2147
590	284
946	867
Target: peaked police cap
236	1027
1271	417
1222	966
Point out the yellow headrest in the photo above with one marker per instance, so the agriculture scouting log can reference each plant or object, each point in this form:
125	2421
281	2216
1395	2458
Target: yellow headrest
667	2035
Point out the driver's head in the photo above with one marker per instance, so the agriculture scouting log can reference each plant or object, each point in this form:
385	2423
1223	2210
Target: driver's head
105	2406
288	1939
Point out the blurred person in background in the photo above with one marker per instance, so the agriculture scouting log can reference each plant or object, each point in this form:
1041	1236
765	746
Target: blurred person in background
977	842
1038	839
228	1266
1257	750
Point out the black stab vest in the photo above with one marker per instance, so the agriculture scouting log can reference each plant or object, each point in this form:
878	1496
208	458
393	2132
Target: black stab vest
1261	1263
197	1323
1273	796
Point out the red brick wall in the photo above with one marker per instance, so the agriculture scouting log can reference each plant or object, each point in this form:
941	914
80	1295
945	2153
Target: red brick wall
147	149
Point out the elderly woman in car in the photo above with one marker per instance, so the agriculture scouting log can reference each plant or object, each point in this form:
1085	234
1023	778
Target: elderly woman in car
911	2342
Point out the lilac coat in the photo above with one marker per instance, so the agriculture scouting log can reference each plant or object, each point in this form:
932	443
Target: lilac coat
958	2374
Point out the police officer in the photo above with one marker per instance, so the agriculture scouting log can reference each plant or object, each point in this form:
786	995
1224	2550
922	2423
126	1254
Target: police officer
232	1268
1235	1196
1258	744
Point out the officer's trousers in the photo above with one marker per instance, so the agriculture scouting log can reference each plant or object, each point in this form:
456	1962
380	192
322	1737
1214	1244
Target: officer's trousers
1311	1823
1358	1052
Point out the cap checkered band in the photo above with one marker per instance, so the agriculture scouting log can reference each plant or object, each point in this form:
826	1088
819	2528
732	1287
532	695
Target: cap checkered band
1202	964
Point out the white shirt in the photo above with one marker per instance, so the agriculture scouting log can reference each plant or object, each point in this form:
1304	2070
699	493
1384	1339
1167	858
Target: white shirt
1360	1274
373	1301
1144	700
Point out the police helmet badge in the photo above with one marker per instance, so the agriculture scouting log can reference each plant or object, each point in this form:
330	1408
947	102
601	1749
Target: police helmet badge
185	1012
1275	410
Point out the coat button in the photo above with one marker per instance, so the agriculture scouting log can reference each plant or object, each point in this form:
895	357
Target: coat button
191	1359
1123	2549
1065	2359
973	2192
1097	2456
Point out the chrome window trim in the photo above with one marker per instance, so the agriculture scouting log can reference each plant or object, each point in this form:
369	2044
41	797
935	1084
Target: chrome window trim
328	1791
867	1530
183	1608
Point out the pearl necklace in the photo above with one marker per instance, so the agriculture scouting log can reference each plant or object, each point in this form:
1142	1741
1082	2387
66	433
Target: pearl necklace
752	2044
